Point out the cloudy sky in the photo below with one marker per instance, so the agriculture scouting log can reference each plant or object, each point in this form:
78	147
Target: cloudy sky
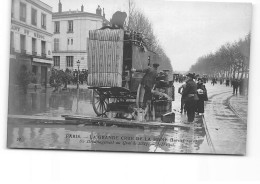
186	30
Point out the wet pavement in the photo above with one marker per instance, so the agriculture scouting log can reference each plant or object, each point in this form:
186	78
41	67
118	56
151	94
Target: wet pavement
47	103
226	129
27	133
239	104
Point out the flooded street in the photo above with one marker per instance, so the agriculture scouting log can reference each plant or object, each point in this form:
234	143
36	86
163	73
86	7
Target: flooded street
74	135
48	103
28	134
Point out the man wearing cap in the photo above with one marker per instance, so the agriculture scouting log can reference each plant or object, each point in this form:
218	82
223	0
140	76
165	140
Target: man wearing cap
148	81
191	97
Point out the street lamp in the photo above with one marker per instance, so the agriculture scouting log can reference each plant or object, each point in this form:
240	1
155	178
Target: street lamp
78	63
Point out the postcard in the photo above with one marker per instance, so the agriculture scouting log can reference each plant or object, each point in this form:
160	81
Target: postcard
129	76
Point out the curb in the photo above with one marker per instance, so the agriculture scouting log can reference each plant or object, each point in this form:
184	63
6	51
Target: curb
210	143
233	109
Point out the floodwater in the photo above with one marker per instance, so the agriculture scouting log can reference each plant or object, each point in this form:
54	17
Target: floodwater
33	133
47	103
30	134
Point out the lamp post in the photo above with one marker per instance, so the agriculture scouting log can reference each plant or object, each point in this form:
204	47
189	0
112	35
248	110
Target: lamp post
78	63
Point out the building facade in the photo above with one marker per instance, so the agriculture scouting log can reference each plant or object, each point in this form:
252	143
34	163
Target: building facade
31	40
71	32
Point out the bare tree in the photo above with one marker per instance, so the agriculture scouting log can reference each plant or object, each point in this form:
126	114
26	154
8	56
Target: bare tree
229	61
138	22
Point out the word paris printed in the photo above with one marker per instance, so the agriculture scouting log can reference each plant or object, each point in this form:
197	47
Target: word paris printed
144	76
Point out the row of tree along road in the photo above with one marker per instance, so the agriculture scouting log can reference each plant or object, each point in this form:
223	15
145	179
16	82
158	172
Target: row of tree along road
229	61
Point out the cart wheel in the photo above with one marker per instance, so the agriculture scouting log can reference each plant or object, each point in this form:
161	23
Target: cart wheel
100	102
140	96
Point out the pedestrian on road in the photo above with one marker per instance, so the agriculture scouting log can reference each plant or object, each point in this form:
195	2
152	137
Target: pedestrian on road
227	82
180	91
202	94
191	97
214	81
235	84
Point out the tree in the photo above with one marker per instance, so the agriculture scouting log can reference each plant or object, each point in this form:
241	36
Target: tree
138	22
231	60
56	79
60	78
24	78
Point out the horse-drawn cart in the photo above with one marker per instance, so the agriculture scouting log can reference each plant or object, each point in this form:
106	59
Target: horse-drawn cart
112	53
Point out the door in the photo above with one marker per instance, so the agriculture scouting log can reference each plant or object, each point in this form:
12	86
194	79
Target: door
44	76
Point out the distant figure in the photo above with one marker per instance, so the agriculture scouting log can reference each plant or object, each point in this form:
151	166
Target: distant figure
227	82
202	94
214	81
235	84
221	81
118	19
180	90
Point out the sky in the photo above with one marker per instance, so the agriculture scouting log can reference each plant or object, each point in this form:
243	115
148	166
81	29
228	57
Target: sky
185	30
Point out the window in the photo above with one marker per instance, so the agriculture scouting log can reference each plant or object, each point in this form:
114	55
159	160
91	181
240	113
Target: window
23	12
34	17
43	48
56	61
69	60
56	44
70	26
34	52
56	27
70	41
22	44
43	22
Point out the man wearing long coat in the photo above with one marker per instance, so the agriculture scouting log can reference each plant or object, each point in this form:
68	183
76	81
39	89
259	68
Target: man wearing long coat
191	97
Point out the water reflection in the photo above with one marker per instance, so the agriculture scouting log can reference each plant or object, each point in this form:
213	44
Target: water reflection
71	101
25	133
53	136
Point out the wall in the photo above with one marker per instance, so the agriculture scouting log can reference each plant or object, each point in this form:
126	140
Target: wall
81	27
29	30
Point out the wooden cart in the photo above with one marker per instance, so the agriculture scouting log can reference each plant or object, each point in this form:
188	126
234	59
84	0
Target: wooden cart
112	53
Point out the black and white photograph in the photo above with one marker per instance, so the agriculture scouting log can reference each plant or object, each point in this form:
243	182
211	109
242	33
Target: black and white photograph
129	76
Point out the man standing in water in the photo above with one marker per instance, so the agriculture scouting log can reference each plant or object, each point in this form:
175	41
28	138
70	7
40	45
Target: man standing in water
148	81
144	98
190	94
180	90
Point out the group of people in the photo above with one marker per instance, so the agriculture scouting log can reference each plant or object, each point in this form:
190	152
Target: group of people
83	76
193	96
238	85
60	78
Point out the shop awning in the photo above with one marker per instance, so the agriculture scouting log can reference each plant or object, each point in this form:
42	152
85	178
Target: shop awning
42	61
